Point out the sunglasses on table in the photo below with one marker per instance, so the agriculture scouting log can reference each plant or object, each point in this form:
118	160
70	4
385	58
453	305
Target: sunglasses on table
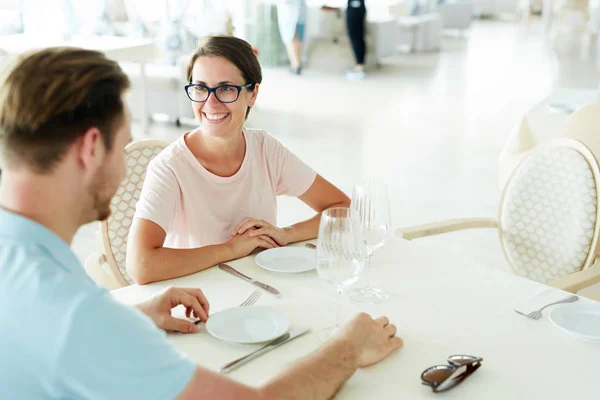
444	377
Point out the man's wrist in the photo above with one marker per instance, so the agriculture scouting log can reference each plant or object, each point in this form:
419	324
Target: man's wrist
348	352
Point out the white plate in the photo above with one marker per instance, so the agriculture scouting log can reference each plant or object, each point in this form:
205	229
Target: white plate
580	320
290	260
248	324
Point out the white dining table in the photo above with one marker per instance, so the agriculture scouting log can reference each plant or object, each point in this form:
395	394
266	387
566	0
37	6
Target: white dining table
442	303
123	49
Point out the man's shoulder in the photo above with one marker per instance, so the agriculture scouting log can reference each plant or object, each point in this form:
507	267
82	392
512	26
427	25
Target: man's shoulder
33	281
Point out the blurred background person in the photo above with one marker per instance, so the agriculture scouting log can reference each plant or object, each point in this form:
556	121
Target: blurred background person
356	15
291	16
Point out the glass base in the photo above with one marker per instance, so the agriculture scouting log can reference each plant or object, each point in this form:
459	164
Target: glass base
326	334
369	295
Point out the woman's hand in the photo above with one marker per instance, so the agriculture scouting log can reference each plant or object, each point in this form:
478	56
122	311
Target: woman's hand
243	244
259	227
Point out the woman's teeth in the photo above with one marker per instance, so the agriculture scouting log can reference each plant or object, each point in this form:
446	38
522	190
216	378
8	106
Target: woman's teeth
215	117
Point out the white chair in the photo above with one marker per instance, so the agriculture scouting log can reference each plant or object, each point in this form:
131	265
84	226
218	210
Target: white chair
573	25
543	123
583	126
108	267
424	30
456	15
548	220
165	94
3	58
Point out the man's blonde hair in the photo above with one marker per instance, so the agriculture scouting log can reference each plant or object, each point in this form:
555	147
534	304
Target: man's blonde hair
51	97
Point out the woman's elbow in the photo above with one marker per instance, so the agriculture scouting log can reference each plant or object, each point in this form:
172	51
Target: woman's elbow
341	201
138	269
345	202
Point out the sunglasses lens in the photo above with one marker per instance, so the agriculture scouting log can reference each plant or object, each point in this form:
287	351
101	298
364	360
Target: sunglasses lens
437	374
459	360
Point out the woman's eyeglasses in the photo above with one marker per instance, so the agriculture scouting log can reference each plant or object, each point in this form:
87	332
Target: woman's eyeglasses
225	93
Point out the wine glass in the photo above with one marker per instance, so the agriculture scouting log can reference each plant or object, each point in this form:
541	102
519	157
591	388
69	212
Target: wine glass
370	208
340	256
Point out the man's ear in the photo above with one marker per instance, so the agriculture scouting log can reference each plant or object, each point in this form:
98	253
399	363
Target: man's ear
90	149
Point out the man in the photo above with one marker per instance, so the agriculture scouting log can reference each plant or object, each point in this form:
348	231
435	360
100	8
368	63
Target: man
63	128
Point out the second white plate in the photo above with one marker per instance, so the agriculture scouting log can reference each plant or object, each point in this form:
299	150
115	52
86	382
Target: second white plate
290	260
580	320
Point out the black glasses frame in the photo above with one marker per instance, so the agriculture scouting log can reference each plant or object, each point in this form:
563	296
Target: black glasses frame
459	371
214	90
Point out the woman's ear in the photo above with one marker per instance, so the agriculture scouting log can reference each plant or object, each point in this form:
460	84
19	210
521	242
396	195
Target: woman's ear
254	95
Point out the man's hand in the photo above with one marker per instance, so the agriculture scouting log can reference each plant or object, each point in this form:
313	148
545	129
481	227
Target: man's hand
371	339
159	308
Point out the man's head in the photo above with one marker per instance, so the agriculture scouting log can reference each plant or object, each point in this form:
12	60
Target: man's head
62	113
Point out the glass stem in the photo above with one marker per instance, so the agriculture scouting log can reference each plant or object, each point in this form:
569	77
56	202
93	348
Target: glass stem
368	268
338	308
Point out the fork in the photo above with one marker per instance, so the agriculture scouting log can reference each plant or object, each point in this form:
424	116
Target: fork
253	298
535	315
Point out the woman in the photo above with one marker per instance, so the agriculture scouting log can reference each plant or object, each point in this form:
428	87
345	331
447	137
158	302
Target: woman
210	197
355	20
291	16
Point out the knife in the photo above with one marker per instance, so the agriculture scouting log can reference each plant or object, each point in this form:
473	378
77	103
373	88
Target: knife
261	285
266	348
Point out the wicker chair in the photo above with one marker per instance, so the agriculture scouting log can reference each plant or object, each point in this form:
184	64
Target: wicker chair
108	267
548	217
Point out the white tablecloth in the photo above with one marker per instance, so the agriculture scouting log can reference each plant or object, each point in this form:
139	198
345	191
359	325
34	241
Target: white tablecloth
545	121
443	304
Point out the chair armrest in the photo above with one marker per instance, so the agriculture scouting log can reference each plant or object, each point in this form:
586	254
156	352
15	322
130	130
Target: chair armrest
451	225
97	269
579	280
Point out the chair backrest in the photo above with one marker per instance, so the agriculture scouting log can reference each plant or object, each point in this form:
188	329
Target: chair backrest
399	10
583	125
3	57
456	15
115	229
572	5
572	14
548	214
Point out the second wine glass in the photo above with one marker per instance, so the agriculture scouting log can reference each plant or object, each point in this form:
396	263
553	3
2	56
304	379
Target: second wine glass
371	209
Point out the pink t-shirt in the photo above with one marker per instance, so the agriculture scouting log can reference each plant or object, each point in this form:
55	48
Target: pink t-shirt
198	208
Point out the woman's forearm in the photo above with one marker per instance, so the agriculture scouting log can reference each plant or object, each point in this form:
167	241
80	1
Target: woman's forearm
308	229
165	263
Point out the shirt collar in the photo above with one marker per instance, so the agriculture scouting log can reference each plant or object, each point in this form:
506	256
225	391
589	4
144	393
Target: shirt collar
19	228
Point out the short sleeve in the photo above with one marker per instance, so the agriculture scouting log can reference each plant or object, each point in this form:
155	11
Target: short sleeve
292	176
159	196
112	351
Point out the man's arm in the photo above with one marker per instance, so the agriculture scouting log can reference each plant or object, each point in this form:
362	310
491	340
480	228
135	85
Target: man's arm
364	341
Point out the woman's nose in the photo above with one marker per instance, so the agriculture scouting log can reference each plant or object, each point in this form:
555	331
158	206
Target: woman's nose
212	100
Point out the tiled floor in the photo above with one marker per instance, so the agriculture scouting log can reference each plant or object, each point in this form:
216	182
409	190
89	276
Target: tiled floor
431	125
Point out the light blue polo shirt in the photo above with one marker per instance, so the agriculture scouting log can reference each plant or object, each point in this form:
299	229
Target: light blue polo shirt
63	337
